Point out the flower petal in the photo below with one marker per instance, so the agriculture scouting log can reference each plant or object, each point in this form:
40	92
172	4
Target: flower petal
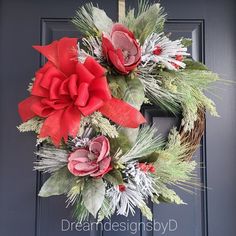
80	155
121	27
104	148
86	167
95	147
123	41
106	45
103	167
113	57
75	168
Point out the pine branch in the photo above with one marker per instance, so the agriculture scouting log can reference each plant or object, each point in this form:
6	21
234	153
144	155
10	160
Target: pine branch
150	18
33	124
146	143
80	212
92	21
51	159
172	170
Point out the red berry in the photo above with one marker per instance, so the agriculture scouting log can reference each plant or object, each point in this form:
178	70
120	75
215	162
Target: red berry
122	188
179	57
143	167
158	50
151	168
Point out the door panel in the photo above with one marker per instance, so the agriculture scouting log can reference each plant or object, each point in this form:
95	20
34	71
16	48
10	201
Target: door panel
25	23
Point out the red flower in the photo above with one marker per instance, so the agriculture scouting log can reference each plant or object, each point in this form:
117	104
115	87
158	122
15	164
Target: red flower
121	49
94	162
65	89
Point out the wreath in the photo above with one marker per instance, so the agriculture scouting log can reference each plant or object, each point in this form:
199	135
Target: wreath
85	103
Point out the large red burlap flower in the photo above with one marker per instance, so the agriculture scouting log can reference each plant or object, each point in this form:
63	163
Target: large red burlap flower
121	49
65	89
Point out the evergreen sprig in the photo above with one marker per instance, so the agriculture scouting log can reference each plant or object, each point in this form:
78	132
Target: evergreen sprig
51	159
83	20
92	21
149	19
171	170
146	143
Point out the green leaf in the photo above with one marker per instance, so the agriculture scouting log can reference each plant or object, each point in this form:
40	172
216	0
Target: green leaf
152	20
134	93
127	89
150	158
101	20
59	183
146	143
93	195
80	211
114	177
92	21
117	85
131	134
122	142
131	91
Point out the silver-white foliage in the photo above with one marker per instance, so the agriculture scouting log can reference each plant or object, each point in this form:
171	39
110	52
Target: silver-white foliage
51	159
154	89
139	185
168	51
126	201
93	47
144	181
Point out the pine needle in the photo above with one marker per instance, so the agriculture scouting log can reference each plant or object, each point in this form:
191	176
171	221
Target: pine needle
146	143
51	159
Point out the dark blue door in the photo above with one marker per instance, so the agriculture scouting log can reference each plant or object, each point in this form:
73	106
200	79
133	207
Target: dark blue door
211	25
